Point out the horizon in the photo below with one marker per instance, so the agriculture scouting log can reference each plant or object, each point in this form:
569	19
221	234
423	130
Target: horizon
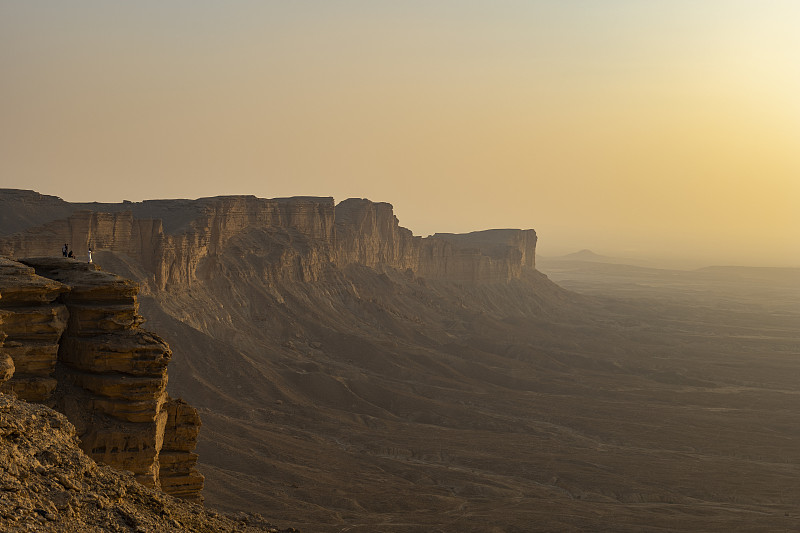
664	131
555	252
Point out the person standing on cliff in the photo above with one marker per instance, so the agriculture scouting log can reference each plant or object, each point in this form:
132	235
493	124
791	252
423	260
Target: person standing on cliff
65	249
90	255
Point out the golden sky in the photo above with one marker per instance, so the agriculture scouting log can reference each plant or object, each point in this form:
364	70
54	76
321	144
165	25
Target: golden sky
660	128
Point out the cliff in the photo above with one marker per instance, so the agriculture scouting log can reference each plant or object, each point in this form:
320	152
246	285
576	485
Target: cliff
283	314
517	247
173	243
74	338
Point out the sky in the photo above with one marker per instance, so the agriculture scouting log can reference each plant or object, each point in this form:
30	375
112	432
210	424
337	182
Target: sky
663	129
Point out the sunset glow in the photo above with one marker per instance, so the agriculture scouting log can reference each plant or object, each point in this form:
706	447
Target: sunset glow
669	130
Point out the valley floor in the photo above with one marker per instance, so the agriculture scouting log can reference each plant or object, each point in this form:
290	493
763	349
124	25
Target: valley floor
654	401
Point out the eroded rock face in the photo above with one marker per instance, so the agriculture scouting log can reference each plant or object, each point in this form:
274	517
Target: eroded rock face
49	484
516	246
178	242
33	321
6	362
84	324
6	366
368	233
480	256
179	477
74	338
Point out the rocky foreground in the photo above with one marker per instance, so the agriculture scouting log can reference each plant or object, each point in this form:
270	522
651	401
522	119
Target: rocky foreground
48	484
73	338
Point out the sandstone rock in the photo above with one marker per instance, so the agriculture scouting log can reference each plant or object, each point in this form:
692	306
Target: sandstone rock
133	447
498	244
32	389
122	368
179	475
32	358
135	389
368	233
20	286
6	367
48	484
173	246
176	242
72	316
33	323
131	352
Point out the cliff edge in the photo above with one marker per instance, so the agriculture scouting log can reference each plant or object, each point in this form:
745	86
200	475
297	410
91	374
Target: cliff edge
170	244
73	336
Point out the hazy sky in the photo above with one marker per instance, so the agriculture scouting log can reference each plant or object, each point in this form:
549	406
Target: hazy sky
632	127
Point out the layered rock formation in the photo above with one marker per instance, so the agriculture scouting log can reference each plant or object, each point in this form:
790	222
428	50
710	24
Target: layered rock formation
178	472
341	390
368	233
84	229
176	242
74	337
48	484
241	257
33	322
518	247
6	362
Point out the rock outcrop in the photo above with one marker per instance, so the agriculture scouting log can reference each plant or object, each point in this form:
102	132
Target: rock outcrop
75	341
6	362
48	484
179	475
368	233
518	247
33	322
480	256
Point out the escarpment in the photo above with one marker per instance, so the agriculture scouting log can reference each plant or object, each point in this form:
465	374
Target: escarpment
74	336
74	331
369	234
171	244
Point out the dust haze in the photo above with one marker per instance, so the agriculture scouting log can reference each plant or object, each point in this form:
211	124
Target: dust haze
350	375
426	266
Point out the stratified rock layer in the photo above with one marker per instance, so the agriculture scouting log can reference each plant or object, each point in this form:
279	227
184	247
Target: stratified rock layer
69	319
49	485
6	362
33	322
177	242
179	476
112	374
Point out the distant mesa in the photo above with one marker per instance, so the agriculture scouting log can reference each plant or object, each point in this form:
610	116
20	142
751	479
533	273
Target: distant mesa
588	256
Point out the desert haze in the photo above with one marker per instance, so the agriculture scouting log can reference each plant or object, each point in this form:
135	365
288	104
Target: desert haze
664	129
435	266
351	376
